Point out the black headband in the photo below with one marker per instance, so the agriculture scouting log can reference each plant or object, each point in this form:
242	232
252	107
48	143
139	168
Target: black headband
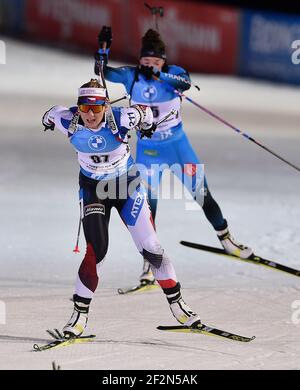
153	53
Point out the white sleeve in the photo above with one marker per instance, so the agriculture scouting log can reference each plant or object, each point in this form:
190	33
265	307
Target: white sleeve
136	115
60	116
130	117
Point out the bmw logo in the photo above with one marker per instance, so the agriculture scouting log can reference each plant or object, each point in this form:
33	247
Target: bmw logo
149	93
97	142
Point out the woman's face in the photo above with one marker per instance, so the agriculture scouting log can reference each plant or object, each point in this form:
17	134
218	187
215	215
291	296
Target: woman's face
155	62
92	119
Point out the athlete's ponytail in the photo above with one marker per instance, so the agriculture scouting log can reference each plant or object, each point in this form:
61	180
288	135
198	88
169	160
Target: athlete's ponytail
153	45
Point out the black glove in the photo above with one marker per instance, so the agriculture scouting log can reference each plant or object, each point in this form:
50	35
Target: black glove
148	132
47	125
148	72
105	36
104	40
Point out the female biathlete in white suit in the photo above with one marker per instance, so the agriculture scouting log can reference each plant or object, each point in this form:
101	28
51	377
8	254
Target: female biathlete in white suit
105	162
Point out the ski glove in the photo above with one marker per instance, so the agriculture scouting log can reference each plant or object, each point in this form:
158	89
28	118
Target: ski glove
146	125
105	36
148	72
104	41
47	123
148	132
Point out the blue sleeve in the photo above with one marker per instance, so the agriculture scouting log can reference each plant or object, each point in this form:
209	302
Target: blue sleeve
177	77
66	122
116	75
61	117
124	75
117	115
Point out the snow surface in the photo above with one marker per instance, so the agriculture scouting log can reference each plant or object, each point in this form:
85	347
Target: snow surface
258	194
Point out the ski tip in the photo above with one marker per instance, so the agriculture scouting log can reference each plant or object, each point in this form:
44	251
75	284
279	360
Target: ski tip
175	327
248	339
185	243
138	289
91	336
36	347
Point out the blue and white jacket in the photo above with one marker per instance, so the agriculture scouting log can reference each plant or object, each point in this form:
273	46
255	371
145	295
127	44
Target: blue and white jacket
158	94
101	153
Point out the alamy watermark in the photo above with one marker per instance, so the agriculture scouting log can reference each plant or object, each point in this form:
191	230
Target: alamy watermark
2	53
296	54
2	313
192	186
296	312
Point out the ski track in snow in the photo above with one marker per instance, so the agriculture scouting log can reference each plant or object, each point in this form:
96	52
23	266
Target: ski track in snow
258	194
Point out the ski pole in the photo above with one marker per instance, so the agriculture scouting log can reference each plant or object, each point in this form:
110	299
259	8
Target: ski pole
110	117
155	11
166	117
159	11
172	112
76	249
126	96
247	136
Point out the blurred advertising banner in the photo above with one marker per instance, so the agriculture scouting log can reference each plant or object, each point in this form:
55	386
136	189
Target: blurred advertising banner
270	46
199	37
74	23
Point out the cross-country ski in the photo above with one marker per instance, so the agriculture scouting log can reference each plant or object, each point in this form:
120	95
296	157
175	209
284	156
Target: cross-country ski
206	330
254	259
60	341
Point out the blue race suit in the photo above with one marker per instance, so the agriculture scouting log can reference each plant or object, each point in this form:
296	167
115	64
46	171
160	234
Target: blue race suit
169	146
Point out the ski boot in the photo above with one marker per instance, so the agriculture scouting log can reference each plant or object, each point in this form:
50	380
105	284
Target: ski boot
180	310
78	320
147	277
231	246
184	314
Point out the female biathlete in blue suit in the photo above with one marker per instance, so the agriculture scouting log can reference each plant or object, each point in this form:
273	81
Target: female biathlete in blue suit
152	82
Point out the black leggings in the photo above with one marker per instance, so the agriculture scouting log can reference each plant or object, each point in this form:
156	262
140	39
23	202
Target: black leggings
135	213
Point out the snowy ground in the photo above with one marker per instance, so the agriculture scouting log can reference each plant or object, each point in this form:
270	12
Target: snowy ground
259	196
